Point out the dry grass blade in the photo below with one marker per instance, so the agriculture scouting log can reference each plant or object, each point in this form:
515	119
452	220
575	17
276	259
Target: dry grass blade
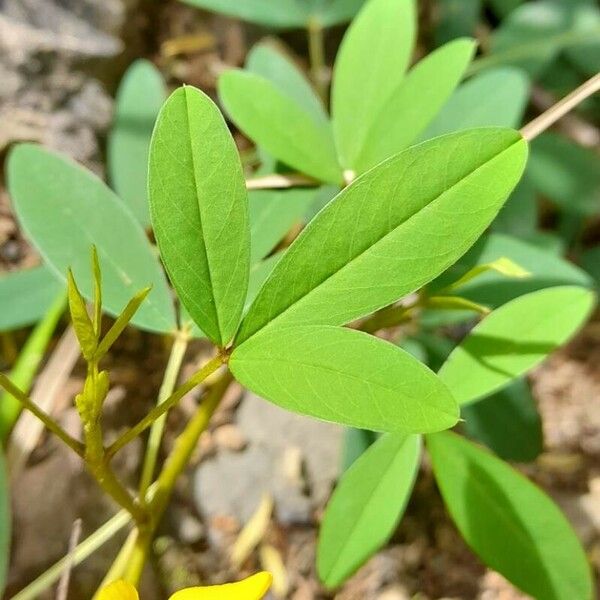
50	382
62	589
253	532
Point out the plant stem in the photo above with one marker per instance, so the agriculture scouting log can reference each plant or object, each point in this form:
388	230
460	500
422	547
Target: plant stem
156	417
81	552
561	108
316	52
174	466
278	182
28	362
47	420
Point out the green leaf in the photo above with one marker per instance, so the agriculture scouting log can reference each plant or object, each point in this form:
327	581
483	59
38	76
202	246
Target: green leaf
199	211
566	173
82	324
503	266
518	216
590	261
391	231
413	104
513	339
534	33
355	444
64	209
5	522
36	290
507	422
277	122
258	274
345	376
139	98
366	506
272	214
275	66
509	522
284	13
496	98
370	65
456	18
121	322
493	289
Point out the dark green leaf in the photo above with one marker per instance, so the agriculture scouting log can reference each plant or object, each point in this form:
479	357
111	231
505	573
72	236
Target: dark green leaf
277	122
391	231
64	210
513	339
369	67
356	442
366	506
566	173
508	422
284	13
199	211
35	288
493	289
139	98
518	216
345	376
272	214
509	522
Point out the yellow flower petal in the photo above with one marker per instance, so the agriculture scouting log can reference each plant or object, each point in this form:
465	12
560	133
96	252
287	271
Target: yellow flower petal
119	590
252	588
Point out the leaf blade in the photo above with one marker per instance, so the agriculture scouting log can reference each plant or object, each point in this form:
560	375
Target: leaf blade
509	522
199	211
414	103
513	339
363	256
140	95
332	379
366	506
371	62
64	209
277	123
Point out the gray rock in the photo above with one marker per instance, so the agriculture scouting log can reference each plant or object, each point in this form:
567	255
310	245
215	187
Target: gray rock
294	458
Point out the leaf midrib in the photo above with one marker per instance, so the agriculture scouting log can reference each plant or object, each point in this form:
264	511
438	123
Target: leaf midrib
201	239
369	248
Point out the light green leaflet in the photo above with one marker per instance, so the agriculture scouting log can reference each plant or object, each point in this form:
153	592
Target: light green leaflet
36	290
281	125
566	173
507	422
415	101
5	525
284	13
366	506
497	98
509	522
270	63
370	64
199	210
345	376
272	214
140	96
64	210
391	231
493	289
513	339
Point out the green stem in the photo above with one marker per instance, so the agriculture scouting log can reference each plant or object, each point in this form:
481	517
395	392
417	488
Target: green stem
174	466
157	423
27	364
316	52
161	409
46	419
